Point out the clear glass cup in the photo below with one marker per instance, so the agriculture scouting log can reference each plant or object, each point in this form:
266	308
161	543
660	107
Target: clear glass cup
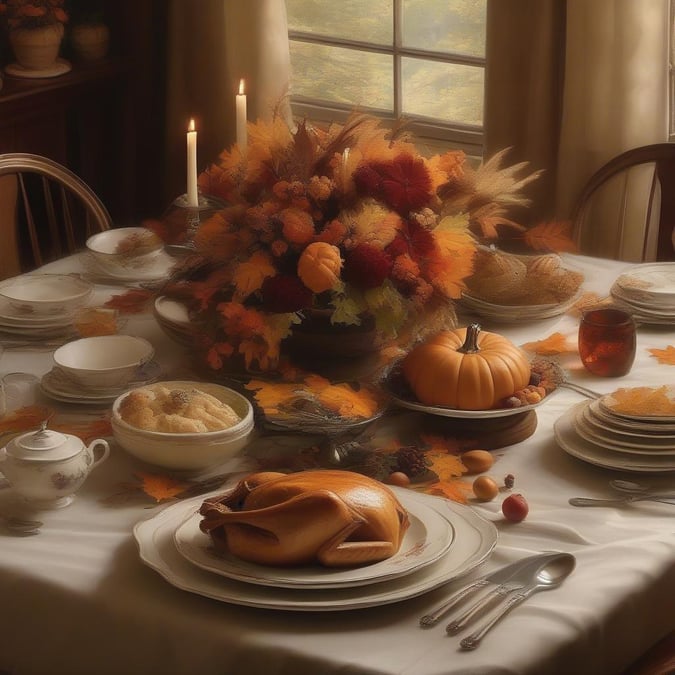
607	340
18	390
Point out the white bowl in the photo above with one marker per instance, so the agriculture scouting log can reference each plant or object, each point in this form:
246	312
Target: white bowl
124	249
187	451
105	361
46	293
173	318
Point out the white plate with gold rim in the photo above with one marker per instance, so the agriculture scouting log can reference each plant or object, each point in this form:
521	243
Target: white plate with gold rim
649	281
475	539
429	537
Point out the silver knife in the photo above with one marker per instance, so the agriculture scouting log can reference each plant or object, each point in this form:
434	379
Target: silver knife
495	579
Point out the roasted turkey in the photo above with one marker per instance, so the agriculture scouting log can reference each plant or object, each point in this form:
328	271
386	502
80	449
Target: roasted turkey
335	518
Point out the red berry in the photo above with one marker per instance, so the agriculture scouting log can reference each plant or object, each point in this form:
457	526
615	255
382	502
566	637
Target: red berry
515	508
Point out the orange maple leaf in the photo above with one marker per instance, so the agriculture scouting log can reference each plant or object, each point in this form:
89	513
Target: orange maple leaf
456	490
553	236
554	344
133	301
665	356
445	465
160	487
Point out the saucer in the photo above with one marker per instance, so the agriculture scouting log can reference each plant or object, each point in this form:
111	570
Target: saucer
58	386
157	269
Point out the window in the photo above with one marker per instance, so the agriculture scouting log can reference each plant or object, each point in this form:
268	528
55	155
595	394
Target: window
421	60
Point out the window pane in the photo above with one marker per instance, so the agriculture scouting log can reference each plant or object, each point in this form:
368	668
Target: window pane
363	20
456	26
445	91
338	75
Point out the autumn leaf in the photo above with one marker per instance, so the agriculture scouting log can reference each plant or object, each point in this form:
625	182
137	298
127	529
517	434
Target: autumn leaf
665	356
553	236
161	487
456	490
444	464
134	301
554	344
586	301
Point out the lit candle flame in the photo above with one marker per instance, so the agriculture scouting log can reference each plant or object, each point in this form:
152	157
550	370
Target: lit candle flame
241	86
191	126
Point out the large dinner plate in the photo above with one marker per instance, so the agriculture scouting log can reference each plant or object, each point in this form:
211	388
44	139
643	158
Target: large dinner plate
474	541
428	538
399	392
573	444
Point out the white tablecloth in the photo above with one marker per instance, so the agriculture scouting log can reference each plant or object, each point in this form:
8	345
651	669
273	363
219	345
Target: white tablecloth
77	599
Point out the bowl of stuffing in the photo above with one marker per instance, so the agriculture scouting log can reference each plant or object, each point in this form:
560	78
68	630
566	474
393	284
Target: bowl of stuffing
182	424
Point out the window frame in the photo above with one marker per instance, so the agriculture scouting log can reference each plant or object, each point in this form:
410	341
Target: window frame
436	135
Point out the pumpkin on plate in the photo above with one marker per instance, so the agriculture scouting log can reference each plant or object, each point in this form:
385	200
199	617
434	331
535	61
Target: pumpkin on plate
465	368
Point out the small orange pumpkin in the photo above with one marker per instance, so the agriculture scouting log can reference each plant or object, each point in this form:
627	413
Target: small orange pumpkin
319	266
466	369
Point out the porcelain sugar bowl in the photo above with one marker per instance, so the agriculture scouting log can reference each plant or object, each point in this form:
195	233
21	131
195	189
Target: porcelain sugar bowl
47	468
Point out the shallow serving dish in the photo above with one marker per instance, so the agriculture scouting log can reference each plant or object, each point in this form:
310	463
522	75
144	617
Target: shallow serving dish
103	361
124	248
187	451
46	293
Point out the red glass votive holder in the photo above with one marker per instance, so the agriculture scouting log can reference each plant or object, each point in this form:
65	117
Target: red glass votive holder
607	340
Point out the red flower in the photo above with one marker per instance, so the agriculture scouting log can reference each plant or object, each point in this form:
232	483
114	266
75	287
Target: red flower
403	183
285	293
397	247
366	266
421	241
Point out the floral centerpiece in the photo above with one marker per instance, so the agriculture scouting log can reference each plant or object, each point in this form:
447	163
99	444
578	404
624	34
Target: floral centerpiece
35	30
349	222
33	13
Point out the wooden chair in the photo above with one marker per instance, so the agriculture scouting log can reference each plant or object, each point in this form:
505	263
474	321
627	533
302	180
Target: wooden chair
656	203
46	212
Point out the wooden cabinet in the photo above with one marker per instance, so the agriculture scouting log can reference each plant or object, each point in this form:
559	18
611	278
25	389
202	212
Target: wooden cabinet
104	120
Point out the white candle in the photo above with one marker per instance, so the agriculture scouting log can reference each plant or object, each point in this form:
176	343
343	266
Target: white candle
192	192
242	136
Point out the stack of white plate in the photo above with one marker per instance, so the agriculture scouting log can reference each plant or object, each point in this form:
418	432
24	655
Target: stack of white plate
649	293
41	307
594	432
513	313
59	386
445	541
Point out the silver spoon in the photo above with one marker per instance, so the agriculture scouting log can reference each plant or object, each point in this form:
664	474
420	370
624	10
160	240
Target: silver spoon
21	526
551	575
628	486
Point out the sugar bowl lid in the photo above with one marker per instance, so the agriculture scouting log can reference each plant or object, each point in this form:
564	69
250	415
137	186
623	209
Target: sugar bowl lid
44	445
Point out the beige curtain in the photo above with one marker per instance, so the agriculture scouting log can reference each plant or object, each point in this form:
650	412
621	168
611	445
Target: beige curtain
209	51
525	49
610	94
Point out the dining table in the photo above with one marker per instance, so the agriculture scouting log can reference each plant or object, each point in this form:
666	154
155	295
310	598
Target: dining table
83	596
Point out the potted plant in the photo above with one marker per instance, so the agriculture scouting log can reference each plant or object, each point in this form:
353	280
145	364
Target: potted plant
89	35
35	29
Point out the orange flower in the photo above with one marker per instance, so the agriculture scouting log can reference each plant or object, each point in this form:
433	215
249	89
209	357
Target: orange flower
298	226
